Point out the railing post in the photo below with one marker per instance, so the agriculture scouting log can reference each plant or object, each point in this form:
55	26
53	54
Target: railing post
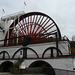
57	43
24	53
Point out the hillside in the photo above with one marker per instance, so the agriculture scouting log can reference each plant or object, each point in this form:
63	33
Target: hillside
72	43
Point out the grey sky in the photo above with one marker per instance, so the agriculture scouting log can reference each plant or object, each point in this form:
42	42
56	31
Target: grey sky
61	11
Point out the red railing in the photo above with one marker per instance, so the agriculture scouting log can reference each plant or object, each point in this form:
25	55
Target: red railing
15	41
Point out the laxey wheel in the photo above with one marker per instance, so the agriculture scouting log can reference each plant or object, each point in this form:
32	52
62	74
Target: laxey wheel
34	25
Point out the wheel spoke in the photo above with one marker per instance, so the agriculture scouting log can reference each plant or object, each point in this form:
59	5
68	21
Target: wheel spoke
32	23
54	31
36	25
37	30
43	26
19	31
28	24
49	28
21	27
24	25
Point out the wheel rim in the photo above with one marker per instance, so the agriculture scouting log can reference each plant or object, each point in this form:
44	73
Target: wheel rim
31	24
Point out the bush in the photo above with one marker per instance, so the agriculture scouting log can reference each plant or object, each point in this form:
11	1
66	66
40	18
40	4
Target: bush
17	64
72	43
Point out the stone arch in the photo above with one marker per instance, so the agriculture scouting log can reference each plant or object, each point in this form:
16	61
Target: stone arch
47	68
6	65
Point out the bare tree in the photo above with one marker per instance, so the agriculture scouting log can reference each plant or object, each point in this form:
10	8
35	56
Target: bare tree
73	38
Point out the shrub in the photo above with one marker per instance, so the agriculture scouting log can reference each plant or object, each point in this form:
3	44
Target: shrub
17	64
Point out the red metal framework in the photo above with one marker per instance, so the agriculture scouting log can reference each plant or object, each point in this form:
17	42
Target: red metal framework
33	23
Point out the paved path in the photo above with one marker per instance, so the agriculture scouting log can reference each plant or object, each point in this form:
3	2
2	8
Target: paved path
7	73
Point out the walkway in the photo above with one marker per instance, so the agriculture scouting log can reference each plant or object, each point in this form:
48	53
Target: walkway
7	73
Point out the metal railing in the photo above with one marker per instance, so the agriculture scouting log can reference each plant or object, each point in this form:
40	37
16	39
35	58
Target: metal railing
19	40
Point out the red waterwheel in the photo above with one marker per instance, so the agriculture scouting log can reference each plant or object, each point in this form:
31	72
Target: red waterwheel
33	23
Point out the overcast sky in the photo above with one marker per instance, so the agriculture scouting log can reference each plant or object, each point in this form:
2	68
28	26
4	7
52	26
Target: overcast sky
61	11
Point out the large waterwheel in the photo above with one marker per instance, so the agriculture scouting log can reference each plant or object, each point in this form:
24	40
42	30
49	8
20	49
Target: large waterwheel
34	25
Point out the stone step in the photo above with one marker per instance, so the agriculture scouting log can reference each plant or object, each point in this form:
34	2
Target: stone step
36	70
5	73
32	71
